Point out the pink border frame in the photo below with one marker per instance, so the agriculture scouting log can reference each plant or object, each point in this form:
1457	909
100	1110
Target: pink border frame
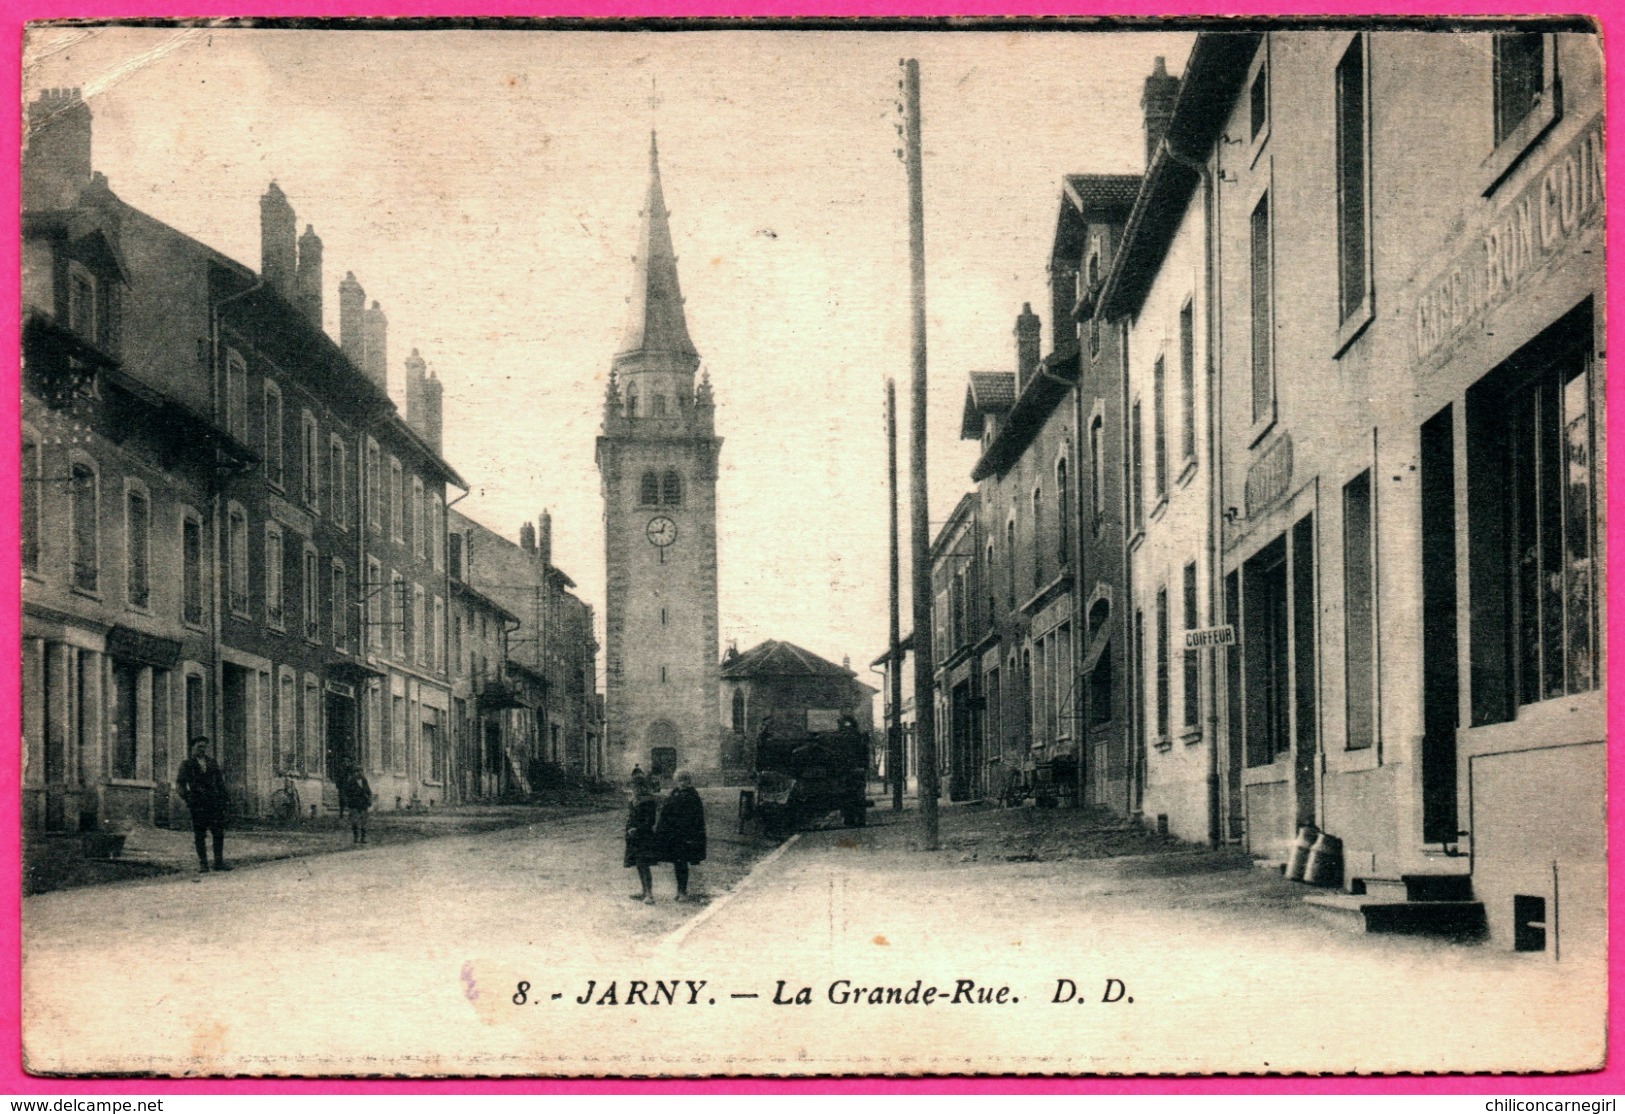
1610	14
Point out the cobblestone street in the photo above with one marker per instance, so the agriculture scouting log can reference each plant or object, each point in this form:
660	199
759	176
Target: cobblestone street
306	965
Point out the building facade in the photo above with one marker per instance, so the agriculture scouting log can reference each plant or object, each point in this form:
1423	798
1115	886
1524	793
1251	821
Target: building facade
121	460
782	690
657	456
1402	351
535	688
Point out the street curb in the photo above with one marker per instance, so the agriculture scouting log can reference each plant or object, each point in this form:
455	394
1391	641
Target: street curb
675	940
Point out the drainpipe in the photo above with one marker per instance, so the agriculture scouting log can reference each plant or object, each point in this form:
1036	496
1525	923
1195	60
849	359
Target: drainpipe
1132	662
1215	604
443	531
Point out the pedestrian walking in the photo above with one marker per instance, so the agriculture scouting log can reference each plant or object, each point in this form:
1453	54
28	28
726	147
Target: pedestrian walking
642	849
355	794
640	780
680	830
202	785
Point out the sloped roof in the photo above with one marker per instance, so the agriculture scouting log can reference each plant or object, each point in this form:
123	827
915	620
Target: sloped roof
1102	191
781	659
989	392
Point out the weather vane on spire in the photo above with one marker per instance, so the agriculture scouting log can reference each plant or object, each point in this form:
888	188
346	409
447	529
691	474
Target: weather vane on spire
654	98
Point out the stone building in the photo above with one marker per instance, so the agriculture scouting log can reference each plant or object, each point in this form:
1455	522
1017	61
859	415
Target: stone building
657	456
486	708
121	451
304	632
788	691
1159	293
536	687
1406	346
1089	229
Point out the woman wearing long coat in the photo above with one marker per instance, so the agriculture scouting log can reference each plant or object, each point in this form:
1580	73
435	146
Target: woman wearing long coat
680	831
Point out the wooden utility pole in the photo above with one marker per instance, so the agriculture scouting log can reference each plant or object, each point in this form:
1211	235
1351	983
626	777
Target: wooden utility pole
896	760
919	503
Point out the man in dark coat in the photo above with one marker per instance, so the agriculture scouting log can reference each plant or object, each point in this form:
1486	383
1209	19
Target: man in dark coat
680	831
202	786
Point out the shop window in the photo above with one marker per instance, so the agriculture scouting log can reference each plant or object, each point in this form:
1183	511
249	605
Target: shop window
1533	528
1266	657
126	677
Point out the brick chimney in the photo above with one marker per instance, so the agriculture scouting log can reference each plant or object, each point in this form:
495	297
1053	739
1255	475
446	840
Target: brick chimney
1028	328
544	538
278	230
375	345
1158	104
352	307
416	370
308	278
56	161
423	400
432	402
527	538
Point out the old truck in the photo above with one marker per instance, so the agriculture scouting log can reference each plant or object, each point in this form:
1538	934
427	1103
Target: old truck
804	776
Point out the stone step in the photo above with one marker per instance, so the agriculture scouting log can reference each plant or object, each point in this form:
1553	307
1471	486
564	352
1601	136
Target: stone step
1454	920
1438	887
1384	889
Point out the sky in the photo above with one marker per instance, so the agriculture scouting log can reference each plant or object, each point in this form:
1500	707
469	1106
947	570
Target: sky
484	187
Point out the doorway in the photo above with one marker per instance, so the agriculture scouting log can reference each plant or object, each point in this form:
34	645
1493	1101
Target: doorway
234	724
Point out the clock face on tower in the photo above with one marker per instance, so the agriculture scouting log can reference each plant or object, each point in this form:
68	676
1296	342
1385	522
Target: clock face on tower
661	531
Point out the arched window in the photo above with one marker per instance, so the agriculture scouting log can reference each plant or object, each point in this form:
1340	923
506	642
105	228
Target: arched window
739	712
650	490
671	489
657	405
631	402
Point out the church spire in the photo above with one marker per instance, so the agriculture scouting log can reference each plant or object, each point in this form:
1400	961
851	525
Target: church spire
656	326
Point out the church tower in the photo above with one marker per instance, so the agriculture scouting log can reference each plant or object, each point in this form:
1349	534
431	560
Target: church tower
657	457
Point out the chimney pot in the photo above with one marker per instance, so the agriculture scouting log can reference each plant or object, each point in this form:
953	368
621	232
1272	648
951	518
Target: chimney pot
308	280
56	162
1157	102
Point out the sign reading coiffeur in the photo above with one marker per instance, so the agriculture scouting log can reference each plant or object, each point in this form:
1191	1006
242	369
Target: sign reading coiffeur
1561	201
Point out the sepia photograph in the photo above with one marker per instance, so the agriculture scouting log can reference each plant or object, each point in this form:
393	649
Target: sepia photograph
829	548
